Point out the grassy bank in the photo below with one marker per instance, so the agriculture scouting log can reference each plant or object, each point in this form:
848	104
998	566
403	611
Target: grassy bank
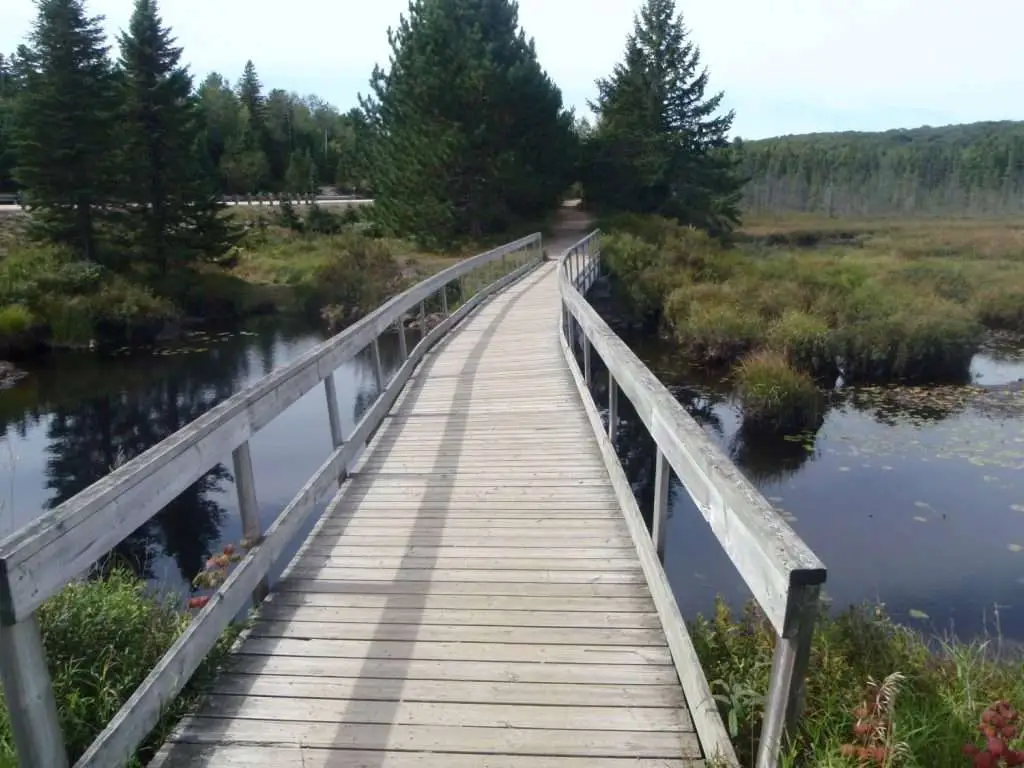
102	637
314	261
877	301
877	694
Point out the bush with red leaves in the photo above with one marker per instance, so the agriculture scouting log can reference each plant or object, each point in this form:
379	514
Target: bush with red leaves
1000	725
216	571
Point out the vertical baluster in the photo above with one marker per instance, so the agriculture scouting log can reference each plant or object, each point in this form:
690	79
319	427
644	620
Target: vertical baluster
333	414
403	348
444	300
378	367
660	517
586	359
245	487
423	320
613	407
786	683
28	692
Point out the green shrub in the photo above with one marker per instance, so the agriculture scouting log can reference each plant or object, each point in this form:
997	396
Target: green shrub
776	397
711	324
15	319
805	340
361	274
1001	307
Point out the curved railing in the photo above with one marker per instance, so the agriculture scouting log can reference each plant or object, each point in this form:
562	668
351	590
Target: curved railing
42	557
781	571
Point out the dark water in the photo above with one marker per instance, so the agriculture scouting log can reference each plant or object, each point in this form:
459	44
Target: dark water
912	497
78	415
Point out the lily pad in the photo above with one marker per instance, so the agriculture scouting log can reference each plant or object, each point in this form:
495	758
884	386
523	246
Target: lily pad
1017	507
921	519
1016	548
916	614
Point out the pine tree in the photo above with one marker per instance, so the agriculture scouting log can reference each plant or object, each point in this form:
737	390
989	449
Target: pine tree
173	215
64	129
661	141
470	133
250	94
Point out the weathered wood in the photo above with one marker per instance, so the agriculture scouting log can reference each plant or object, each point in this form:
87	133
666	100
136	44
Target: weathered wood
28	696
378	366
403	349
333	411
764	548
613	408
248	507
659	519
456	555
41	557
702	705
141	712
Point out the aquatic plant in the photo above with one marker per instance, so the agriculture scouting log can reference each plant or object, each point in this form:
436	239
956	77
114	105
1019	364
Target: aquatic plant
775	396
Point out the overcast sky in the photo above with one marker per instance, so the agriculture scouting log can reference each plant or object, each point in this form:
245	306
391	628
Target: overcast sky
787	66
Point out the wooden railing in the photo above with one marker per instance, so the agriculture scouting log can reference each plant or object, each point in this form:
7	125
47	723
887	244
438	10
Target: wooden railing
780	570
66	542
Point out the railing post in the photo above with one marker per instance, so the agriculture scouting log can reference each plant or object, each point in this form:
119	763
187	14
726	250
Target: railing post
586	360
378	367
613	407
333	414
660	517
423	320
784	701
444	299
403	348
248	507
28	692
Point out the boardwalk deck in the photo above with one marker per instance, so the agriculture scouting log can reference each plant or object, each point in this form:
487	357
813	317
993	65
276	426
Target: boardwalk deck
471	597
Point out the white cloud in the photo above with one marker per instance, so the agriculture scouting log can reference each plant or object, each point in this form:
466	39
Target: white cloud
785	65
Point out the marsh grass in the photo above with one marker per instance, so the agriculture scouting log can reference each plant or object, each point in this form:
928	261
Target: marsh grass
876	301
102	637
946	685
776	396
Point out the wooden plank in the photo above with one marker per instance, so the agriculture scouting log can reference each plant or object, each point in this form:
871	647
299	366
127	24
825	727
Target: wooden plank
461	715
297	583
256	755
451	691
433	633
467	740
534	604
463	575
342	550
464	539
455	651
501	561
386	614
451	670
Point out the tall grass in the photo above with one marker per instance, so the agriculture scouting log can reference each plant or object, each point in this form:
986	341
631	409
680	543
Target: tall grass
945	686
102	637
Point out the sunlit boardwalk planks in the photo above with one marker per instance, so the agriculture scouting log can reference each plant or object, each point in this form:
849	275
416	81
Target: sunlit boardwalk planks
472	597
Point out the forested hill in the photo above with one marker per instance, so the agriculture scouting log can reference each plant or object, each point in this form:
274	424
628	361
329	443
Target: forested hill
977	168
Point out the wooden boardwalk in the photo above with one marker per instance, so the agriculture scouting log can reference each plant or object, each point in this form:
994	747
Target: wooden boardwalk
472	597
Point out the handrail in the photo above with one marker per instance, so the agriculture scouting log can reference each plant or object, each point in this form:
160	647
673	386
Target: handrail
783	574
40	558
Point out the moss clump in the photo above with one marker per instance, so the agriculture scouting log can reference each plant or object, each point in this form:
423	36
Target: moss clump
775	396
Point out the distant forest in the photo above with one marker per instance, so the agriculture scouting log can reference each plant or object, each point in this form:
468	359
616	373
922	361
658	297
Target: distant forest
976	168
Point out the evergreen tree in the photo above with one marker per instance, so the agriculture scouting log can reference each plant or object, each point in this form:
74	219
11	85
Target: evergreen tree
661	139
250	94
172	211
469	132
64	129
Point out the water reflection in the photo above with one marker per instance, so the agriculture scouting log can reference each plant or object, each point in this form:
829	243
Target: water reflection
910	495
79	416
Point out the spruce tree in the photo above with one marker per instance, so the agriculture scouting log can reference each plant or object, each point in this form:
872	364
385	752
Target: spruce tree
661	141
469	132
64	129
172	212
